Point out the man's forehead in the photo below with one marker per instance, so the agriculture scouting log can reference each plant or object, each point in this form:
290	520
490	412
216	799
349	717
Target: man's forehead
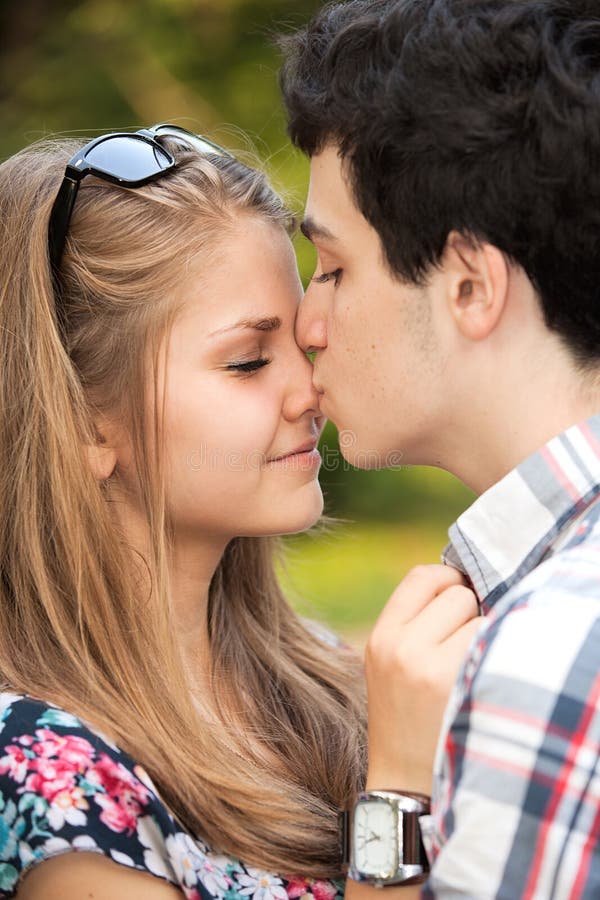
330	207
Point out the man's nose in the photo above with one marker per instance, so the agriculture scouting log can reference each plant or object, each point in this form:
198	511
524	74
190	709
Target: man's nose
311	322
302	396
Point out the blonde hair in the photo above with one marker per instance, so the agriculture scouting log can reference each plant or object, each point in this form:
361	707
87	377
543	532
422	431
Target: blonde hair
79	626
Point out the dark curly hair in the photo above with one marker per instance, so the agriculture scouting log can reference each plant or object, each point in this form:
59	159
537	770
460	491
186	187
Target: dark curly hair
476	115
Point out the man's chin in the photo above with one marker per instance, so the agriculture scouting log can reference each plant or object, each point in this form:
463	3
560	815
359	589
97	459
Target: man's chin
351	447
359	457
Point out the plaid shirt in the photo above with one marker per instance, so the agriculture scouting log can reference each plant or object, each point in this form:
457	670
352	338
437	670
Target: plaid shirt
516	798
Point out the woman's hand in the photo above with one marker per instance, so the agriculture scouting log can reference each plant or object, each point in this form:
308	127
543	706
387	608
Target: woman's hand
412	659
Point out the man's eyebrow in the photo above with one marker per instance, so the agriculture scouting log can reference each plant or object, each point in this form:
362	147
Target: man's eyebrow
262	323
311	230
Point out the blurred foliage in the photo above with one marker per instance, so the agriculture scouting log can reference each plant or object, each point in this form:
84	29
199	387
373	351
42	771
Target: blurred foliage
86	66
344	574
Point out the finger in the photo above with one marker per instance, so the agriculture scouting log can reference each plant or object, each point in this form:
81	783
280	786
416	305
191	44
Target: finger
452	653
441	618
415	591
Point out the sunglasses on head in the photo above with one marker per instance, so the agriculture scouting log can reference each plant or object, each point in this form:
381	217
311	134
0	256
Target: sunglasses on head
127	158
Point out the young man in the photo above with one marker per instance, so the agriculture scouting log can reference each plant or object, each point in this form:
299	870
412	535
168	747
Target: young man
454	203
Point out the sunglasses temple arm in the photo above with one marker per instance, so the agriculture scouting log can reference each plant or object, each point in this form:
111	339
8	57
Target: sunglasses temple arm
59	220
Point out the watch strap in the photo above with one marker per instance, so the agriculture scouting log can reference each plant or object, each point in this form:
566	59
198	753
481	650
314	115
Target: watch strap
344	831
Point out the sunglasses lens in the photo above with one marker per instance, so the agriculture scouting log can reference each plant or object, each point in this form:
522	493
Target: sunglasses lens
186	140
128	158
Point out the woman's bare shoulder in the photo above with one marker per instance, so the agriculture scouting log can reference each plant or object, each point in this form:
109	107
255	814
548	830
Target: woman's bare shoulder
77	875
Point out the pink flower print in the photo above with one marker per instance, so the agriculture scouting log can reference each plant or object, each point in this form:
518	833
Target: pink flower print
15	763
69	748
297	887
50	777
118	816
323	890
116	779
125	796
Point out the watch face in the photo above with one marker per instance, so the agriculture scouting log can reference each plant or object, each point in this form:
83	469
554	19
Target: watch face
375	838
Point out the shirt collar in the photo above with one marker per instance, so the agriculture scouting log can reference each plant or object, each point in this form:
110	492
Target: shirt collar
510	527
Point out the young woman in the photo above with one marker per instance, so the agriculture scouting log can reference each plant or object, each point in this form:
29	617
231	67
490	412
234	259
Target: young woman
170	726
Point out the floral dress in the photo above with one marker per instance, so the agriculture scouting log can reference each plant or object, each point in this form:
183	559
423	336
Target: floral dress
65	787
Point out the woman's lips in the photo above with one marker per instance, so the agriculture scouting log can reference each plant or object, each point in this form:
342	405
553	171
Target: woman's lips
300	459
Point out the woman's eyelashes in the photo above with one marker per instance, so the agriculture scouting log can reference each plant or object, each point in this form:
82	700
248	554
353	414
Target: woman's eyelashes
248	366
334	276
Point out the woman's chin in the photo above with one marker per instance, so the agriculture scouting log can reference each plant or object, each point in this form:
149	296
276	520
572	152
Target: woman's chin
301	525
294	518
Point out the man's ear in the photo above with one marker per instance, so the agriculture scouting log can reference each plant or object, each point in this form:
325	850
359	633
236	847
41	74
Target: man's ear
477	285
102	456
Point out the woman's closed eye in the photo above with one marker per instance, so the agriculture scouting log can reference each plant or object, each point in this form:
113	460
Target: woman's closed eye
248	366
334	276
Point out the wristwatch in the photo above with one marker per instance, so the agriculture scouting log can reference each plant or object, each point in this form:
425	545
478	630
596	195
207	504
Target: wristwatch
381	838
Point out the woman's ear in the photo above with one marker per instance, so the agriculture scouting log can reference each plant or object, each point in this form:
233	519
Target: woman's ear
102	457
477	285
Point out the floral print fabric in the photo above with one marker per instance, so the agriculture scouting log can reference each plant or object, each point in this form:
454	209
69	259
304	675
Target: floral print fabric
65	787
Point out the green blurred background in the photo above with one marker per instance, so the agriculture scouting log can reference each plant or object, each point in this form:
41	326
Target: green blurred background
85	66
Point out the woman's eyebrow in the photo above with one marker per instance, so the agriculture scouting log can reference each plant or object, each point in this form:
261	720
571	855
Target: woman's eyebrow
262	323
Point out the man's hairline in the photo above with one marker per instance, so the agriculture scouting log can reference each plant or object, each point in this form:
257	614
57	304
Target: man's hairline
346	168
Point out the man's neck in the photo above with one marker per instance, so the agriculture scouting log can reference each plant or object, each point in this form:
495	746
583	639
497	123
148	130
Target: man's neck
495	440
